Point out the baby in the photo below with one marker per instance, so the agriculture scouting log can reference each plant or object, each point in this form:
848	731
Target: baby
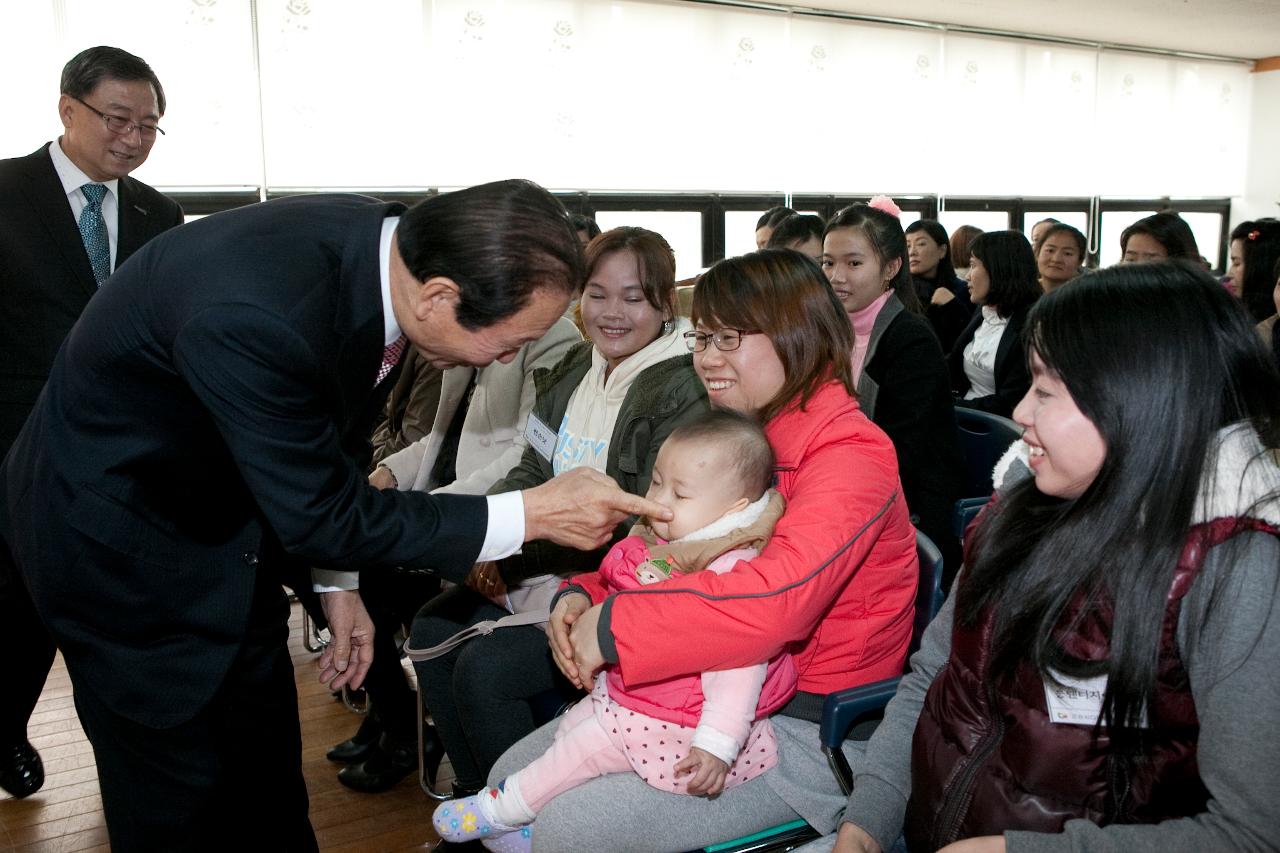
693	734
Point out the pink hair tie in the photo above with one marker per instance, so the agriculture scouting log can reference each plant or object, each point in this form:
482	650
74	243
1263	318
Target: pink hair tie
883	202
1253	235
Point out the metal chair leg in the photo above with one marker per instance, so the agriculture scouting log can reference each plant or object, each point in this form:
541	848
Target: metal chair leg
422	765
312	640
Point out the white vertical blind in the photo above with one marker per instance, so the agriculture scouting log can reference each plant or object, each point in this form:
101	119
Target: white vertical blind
643	95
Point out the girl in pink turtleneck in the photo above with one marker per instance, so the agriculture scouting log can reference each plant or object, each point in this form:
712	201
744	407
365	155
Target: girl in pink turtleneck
899	370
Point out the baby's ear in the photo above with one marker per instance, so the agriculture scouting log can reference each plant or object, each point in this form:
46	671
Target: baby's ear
739	505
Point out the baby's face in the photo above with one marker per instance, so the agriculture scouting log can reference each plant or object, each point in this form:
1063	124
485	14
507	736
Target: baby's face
699	485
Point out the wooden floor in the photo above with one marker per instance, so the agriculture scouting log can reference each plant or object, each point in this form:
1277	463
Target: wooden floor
66	814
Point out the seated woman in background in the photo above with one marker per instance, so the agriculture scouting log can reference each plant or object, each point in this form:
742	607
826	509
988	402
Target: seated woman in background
1158	237
608	405
768	221
1255	249
899	369
833	586
961	246
1060	255
801	232
1103	676
942	293
988	363
1039	230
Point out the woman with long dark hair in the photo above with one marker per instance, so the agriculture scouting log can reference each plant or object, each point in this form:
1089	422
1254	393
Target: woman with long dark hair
942	294
988	365
1103	676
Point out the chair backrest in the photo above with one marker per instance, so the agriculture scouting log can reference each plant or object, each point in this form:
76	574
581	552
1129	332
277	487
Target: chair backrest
929	593
984	438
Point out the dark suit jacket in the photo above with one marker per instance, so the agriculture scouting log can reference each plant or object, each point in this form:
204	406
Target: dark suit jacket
1012	377
45	279
204	409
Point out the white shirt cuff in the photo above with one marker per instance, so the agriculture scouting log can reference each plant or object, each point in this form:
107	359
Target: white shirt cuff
333	580
505	535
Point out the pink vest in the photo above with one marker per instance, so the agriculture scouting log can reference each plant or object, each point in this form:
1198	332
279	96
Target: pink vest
679	700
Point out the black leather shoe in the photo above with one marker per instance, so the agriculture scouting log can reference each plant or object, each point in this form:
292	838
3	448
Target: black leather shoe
389	762
21	770
360	745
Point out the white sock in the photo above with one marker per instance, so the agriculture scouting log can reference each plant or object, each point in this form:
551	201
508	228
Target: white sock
509	807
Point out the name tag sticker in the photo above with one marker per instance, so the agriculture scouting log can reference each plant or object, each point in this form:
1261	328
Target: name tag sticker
1074	701
541	437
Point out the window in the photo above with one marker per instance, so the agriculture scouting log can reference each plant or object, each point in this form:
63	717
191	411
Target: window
681	228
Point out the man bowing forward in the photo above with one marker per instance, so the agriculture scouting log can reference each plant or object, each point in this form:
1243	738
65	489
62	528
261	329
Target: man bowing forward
200	424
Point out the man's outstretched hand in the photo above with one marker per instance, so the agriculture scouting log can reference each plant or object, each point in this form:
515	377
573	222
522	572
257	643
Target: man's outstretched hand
580	509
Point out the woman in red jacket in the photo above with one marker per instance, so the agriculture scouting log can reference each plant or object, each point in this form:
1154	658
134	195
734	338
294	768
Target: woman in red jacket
834	586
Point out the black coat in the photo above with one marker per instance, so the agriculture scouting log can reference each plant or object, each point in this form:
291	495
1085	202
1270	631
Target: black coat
904	389
45	277
1011	374
948	320
206	410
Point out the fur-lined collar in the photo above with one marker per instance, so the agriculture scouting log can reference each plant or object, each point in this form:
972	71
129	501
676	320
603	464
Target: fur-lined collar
726	524
1245	478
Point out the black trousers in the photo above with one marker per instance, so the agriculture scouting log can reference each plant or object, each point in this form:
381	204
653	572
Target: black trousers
230	777
34	653
479	693
392	599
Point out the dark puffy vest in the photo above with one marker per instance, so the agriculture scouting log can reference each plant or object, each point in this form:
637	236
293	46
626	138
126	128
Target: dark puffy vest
986	758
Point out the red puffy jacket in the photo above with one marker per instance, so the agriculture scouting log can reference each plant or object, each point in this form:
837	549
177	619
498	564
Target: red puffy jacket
835	586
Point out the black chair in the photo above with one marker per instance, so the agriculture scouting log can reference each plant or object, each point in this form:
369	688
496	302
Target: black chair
844	708
984	438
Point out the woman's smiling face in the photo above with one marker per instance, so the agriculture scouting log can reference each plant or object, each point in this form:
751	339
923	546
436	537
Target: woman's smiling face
1067	450
618	318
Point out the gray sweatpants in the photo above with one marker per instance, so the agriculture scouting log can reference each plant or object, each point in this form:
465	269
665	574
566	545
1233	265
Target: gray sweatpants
621	813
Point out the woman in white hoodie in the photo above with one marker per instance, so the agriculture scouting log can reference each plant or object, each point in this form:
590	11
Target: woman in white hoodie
608	405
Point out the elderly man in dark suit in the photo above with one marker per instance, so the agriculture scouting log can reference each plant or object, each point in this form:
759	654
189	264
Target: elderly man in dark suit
69	214
203	419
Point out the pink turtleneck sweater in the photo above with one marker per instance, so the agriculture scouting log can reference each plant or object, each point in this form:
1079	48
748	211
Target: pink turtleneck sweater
862	321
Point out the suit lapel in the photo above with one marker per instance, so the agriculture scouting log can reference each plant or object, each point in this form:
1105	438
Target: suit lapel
135	226
1011	340
49	202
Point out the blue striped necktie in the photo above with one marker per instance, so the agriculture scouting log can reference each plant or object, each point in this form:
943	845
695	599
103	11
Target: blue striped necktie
93	231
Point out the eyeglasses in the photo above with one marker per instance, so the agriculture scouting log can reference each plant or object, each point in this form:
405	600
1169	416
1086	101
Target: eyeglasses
122	126
726	340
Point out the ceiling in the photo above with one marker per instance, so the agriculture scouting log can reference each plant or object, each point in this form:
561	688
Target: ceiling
1247	29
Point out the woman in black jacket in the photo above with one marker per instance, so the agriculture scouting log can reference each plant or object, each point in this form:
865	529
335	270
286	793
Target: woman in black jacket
899	369
941	292
988	369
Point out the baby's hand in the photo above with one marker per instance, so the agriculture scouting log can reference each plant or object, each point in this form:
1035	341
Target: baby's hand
708	772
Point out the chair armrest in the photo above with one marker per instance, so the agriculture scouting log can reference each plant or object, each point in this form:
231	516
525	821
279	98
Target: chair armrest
843	708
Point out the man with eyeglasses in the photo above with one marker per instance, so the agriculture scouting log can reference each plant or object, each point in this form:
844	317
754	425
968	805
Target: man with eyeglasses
69	215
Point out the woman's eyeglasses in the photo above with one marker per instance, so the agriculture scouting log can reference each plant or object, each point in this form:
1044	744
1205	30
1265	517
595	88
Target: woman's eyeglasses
726	340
